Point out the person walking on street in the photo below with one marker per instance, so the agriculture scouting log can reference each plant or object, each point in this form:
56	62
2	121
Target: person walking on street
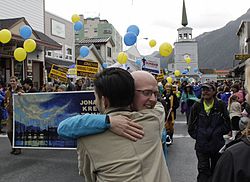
8	103
208	122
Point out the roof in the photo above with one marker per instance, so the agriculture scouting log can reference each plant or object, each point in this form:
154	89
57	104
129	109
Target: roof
97	40
47	39
7	23
243	22
41	37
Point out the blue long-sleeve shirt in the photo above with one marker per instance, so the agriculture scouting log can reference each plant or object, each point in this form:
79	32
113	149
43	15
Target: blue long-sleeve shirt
82	125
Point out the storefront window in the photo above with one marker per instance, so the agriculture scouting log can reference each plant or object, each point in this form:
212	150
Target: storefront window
18	70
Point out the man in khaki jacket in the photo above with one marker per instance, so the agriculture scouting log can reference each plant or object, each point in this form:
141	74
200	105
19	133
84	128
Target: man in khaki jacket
109	157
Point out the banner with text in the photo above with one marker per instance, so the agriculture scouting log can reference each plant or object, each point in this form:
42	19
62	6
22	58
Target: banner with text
58	73
86	68
37	116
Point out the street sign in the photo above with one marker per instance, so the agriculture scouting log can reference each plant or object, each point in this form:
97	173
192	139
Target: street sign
241	56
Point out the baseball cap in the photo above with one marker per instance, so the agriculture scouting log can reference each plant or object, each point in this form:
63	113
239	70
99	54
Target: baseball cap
208	85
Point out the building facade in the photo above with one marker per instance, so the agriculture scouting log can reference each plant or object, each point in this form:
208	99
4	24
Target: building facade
32	10
185	47
97	28
243	34
61	31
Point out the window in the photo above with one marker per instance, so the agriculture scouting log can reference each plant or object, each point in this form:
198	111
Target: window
86	30
57	28
180	36
68	52
185	36
95	30
49	53
107	31
109	52
58	54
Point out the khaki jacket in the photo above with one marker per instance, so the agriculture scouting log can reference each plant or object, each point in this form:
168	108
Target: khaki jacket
109	157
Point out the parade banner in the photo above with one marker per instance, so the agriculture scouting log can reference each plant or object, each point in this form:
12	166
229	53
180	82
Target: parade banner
37	116
86	68
58	73
151	65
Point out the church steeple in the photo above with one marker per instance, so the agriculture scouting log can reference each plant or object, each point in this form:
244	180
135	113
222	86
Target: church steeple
184	21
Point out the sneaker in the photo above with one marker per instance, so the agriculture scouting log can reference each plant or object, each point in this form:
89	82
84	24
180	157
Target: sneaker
17	152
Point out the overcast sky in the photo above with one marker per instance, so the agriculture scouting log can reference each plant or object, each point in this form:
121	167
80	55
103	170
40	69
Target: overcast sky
156	19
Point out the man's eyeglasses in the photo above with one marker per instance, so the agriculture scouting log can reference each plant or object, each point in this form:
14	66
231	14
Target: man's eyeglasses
149	93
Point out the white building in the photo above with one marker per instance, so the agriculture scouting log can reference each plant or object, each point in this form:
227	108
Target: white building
185	47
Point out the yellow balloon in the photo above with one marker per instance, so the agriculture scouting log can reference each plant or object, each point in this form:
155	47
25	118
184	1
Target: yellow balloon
29	45
188	60
75	18
177	73
169	79
122	57
152	43
5	36
20	54
165	49
189	67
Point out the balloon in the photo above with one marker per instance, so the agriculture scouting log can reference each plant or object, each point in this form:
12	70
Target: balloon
122	58
138	62
165	49
104	65
29	45
186	56
78	26
188	60
152	43
130	39
25	31
184	72
189	67
84	51
166	70
169	79
75	18
177	73
5	36
20	54
196	70
134	29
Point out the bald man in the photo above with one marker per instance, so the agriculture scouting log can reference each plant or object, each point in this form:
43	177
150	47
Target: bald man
148	162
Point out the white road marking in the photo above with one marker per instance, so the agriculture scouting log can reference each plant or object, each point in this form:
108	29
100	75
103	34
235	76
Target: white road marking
181	136
180	122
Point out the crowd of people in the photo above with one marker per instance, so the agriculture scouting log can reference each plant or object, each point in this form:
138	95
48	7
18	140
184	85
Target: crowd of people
131	125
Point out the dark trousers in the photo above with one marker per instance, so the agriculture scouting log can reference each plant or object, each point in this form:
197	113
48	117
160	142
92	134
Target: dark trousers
206	165
235	122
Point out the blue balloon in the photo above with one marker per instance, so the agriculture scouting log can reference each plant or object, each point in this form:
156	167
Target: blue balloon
78	26
84	51
196	70
184	72
104	65
138	62
25	31
130	39
134	29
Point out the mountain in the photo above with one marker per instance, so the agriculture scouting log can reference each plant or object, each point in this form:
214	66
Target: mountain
216	49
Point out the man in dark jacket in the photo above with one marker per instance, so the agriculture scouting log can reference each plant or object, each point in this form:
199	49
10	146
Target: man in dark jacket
208	122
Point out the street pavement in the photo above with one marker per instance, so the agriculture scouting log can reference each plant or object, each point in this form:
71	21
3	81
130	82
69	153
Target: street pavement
61	165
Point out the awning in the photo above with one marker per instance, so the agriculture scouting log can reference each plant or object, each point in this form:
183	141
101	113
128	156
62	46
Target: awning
50	61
